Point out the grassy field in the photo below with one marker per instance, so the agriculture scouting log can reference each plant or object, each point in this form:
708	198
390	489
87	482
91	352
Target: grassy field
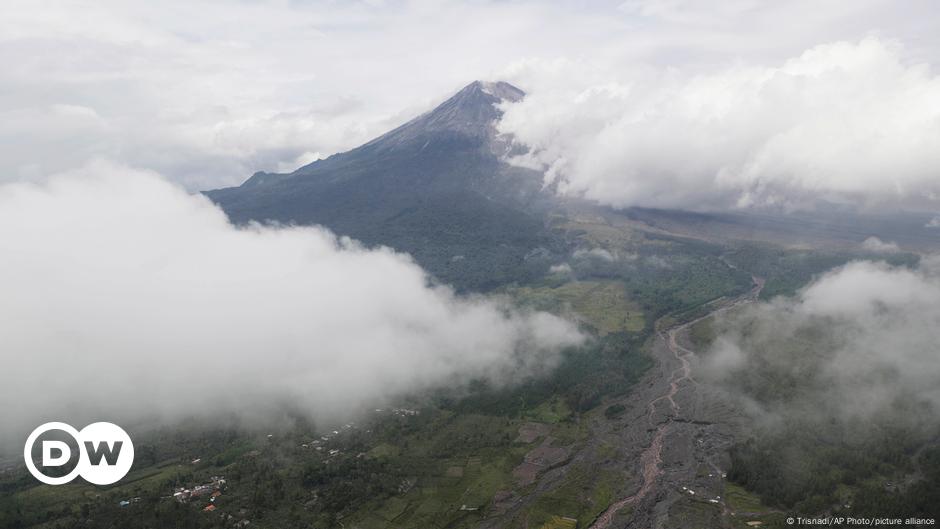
599	231
444	500
551	411
604	305
581	497
43	498
690	513
740	500
703	334
457	465
560	522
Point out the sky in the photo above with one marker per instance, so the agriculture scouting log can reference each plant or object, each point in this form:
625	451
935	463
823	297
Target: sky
206	93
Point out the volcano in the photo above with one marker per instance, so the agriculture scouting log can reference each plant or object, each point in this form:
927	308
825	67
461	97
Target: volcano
437	187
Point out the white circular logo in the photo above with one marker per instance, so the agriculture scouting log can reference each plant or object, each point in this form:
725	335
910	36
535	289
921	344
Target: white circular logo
105	453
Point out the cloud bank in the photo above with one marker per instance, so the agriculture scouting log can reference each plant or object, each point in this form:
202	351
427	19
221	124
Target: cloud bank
850	122
206	93
124	297
857	344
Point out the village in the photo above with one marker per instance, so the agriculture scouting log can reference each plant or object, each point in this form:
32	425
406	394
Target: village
206	495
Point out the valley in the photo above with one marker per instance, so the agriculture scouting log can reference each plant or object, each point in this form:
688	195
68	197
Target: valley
469	264
623	431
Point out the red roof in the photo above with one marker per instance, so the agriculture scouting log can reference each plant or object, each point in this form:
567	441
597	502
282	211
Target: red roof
209	508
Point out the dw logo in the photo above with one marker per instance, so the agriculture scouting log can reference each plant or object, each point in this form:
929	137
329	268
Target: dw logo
105	453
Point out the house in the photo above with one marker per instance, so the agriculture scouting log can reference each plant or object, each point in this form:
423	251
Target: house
202	490
182	495
209	508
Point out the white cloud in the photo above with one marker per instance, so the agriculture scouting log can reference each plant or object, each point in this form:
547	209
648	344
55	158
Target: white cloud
594	253
125	297
209	92
847	121
861	339
874	244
